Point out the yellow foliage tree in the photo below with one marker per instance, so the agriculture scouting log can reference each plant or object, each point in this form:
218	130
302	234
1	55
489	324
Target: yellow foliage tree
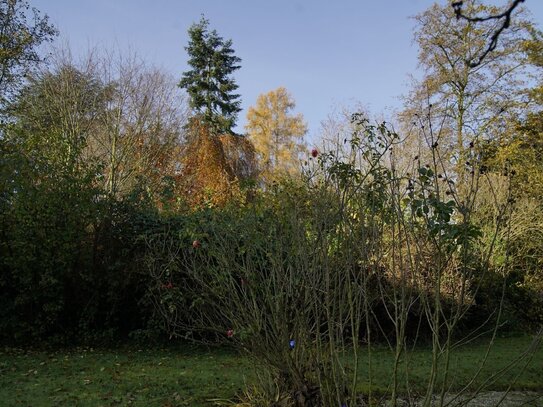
276	133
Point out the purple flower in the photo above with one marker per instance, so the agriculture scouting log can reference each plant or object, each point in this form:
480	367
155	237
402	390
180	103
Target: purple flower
292	344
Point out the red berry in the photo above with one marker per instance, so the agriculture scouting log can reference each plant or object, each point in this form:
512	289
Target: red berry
196	244
314	153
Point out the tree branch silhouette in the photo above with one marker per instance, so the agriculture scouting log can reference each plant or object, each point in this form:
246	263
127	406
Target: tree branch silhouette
505	16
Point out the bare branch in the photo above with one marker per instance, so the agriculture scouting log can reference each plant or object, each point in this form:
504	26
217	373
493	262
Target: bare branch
505	16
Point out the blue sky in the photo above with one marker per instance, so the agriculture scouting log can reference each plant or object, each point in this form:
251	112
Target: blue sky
326	53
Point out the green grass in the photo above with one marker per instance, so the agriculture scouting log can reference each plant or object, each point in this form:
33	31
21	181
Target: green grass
195	376
87	377
464	363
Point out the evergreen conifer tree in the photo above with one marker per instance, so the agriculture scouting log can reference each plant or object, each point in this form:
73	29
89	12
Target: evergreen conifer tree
209	83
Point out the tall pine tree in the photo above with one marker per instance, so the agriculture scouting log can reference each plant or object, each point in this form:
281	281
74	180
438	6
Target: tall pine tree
209	83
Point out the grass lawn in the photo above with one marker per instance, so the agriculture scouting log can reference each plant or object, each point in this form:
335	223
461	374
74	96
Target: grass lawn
527	374
197	376
146	377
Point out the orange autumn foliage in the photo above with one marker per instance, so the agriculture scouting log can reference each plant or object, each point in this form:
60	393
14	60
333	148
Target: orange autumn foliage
214	167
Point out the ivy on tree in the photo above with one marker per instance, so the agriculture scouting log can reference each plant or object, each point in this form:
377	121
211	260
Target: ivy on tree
209	83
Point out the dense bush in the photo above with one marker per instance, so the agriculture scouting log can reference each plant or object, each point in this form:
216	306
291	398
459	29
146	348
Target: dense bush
69	265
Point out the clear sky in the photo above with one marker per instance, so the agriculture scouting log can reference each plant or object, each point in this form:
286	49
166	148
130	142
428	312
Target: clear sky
325	52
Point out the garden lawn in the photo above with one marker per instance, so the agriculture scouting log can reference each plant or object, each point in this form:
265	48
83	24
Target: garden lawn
196	376
526	374
145	377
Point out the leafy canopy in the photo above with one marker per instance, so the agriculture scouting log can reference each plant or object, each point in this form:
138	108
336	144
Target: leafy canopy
22	30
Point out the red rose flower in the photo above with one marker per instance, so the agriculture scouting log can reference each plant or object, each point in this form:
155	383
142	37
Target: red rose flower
230	333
